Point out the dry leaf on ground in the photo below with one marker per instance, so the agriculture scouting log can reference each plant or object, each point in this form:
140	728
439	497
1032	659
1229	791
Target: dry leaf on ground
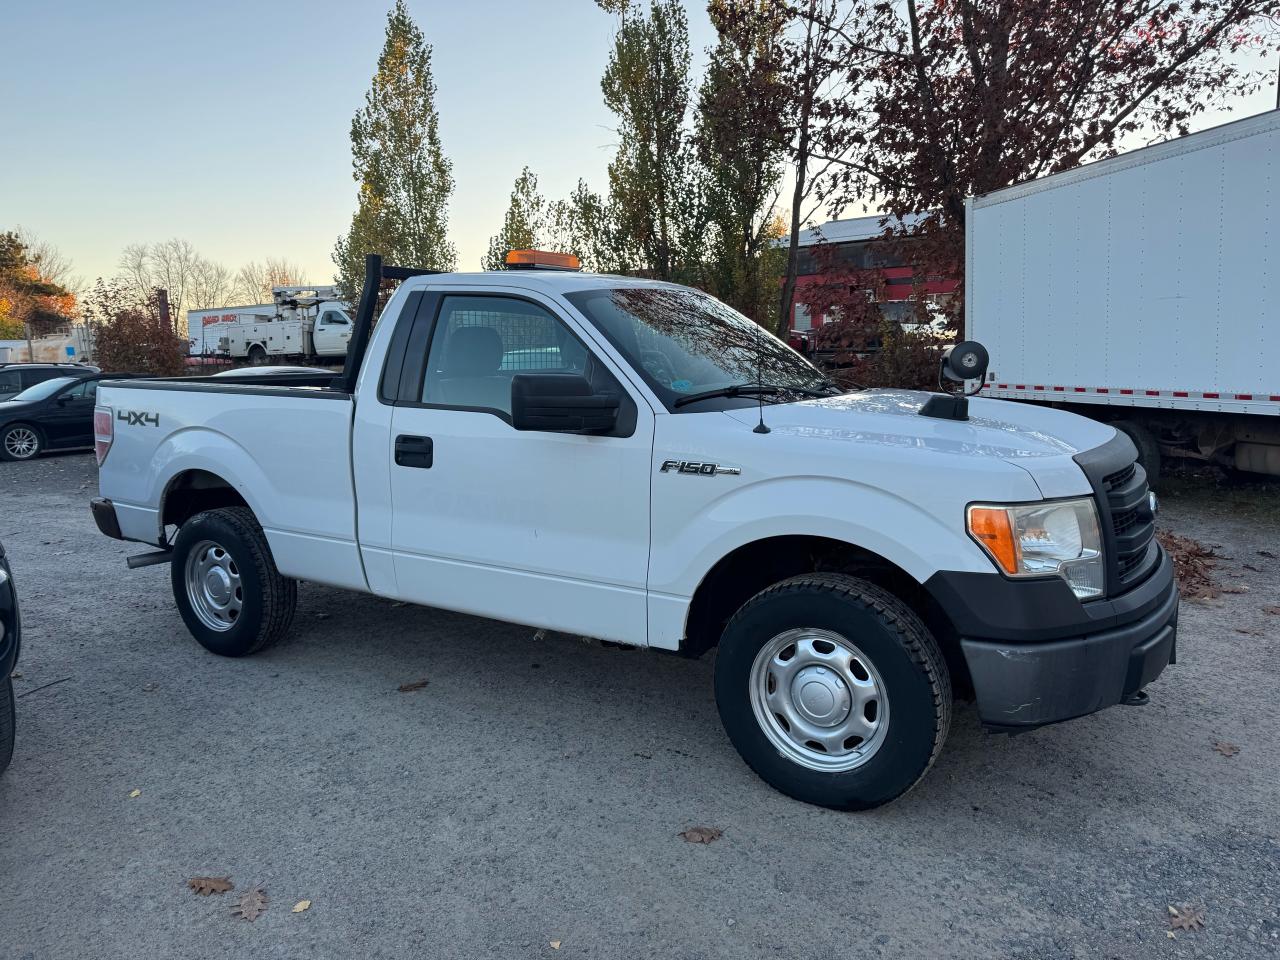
1236	588
301	906
1267	553
700	834
207	885
1193	562
413	685
1274	611
253	903
1226	749
555	944
1186	917
135	793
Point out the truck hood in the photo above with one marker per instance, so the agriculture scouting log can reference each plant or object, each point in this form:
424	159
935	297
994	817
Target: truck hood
1040	440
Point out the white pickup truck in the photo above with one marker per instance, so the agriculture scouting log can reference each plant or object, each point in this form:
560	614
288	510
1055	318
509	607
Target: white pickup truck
634	461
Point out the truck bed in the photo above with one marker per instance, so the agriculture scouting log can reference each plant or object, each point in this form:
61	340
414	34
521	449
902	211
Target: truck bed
285	437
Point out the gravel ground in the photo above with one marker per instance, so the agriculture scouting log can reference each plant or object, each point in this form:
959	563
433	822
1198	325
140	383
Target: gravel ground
531	793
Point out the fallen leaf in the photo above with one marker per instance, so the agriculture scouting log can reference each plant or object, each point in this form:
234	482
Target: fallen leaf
301	906
1236	588
1193	564
701	834
1186	917
135	793
207	885
16	675
253	903
555	944
413	685
1226	749
1267	553
1247	632
1171	935
1273	610
1250	566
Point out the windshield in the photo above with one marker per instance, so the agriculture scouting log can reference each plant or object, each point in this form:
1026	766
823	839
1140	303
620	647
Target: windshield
44	389
684	342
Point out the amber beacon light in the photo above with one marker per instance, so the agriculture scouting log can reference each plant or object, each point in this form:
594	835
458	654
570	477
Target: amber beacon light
541	260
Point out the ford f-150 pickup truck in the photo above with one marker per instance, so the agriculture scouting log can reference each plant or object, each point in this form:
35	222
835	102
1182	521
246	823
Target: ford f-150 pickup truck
634	461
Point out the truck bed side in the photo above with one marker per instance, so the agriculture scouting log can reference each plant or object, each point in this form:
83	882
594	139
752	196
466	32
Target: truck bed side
283	450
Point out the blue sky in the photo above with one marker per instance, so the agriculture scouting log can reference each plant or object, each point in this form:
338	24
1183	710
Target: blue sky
227	123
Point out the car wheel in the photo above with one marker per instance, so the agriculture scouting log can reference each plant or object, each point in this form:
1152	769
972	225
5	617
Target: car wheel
833	691
7	722
226	585
257	356
20	441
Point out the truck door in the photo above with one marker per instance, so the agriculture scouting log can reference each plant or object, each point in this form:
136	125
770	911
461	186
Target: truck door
332	332
542	528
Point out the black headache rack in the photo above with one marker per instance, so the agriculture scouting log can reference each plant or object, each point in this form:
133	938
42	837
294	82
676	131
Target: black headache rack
375	272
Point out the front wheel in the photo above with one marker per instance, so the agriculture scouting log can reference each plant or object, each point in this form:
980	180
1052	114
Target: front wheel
7	722
833	691
226	585
20	442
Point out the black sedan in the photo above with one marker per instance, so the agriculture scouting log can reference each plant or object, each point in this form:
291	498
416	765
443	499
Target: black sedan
10	634
52	415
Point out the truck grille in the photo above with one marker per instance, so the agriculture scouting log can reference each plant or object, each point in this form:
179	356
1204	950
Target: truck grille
1124	510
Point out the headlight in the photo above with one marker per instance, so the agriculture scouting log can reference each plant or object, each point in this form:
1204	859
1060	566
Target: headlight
1035	539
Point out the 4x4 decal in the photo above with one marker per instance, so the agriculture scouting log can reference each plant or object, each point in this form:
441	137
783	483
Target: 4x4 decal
138	418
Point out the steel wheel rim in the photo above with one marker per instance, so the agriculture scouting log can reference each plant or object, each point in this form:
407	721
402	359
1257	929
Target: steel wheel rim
214	587
820	700
21	443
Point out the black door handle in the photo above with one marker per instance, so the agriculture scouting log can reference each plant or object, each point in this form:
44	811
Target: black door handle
413	451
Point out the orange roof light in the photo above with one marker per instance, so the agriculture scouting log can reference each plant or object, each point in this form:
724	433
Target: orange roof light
542	260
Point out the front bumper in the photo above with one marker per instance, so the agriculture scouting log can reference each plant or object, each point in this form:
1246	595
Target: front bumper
1069	659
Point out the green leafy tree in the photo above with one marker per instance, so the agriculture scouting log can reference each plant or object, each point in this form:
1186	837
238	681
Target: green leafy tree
396	158
586	226
523	225
742	107
655	181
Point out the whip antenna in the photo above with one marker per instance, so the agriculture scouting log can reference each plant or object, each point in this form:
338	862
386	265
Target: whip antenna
759	427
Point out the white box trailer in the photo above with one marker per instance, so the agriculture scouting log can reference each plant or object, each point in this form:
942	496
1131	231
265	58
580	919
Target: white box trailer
1143	290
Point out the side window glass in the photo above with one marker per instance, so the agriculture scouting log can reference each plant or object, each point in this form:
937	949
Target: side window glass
333	317
77	392
10	382
480	343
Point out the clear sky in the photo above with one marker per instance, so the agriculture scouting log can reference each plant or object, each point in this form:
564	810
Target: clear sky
227	123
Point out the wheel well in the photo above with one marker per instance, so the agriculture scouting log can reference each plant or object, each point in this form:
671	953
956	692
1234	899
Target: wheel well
194	491
743	573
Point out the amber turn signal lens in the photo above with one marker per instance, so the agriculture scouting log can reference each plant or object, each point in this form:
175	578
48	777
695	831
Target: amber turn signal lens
991	527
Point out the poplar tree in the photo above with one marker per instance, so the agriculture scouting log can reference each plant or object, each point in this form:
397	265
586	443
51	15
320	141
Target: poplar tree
396	158
523	225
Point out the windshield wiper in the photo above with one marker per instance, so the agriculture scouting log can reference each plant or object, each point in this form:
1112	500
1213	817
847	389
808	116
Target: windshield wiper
735	390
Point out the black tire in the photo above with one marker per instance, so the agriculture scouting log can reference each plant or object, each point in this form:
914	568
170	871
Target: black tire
267	598
905	655
7	723
1148	447
13	428
257	356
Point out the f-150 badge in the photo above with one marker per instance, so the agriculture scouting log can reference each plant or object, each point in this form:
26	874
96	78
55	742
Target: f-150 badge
698	468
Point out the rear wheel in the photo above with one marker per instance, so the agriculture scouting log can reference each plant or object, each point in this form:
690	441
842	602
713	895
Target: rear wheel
257	356
226	585
20	441
7	722
833	691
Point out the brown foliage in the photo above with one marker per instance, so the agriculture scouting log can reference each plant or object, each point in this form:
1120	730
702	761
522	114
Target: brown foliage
129	336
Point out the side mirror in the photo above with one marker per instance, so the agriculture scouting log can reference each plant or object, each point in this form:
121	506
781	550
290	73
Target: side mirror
562	403
966	360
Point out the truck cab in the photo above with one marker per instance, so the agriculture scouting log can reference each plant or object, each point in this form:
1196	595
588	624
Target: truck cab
636	462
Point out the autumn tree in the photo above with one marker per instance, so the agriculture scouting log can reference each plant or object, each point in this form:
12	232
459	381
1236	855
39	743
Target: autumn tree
397	160
128	333
742	106
522	226
962	97
32	303
254	281
655	183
